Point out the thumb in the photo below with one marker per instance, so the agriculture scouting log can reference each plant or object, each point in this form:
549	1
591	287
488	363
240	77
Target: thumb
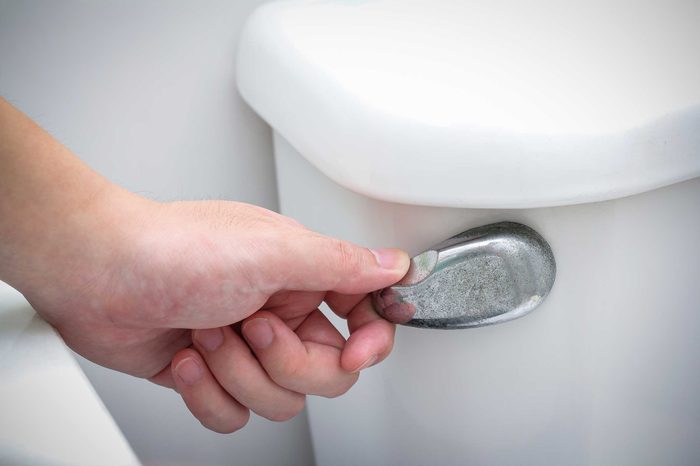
307	261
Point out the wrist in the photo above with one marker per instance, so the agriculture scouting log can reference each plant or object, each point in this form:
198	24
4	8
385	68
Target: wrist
74	255
56	214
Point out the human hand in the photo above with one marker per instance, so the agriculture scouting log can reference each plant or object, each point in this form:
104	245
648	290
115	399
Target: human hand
125	280
138	275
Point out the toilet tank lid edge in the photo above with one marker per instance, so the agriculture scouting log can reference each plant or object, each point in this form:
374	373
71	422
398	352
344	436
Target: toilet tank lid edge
346	84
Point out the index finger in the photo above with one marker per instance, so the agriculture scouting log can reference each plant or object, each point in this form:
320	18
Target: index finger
371	337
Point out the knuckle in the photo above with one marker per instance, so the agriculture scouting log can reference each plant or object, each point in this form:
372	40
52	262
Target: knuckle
291	410
336	392
241	420
288	375
342	388
291	364
225	423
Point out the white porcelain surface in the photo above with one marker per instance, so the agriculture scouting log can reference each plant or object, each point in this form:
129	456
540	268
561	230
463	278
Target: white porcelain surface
49	412
482	104
605	372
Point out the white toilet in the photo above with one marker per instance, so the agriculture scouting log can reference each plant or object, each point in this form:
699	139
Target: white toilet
401	123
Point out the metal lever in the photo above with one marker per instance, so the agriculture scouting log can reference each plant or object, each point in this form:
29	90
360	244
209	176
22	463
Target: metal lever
483	276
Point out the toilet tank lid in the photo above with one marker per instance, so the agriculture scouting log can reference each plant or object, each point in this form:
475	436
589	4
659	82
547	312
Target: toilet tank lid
502	104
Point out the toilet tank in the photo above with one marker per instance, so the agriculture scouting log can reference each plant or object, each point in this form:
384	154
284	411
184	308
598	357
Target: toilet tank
401	123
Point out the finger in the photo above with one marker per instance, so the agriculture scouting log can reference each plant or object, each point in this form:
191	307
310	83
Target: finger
317	328
290	304
341	303
307	367
309	261
240	374
392	306
371	338
203	395
164	378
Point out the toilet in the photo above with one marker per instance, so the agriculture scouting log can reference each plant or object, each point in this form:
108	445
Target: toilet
402	123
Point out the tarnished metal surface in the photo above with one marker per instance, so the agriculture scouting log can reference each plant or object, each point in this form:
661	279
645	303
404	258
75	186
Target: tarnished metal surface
483	276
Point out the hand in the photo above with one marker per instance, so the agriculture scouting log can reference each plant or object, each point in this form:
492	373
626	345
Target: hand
124	280
138	275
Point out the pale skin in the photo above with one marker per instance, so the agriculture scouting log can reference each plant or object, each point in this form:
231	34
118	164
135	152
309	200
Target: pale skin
218	300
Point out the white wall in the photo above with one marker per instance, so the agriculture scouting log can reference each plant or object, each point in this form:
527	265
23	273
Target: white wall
144	92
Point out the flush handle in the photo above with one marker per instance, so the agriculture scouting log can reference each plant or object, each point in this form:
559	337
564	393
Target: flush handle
483	276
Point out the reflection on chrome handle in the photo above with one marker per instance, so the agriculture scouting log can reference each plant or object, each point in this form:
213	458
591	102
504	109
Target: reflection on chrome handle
483	276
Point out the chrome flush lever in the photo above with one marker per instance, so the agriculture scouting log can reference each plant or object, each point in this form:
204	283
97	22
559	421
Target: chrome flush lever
483	276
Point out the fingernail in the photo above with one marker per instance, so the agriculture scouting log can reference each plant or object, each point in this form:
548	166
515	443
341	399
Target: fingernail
210	338
390	258
258	333
189	371
370	360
